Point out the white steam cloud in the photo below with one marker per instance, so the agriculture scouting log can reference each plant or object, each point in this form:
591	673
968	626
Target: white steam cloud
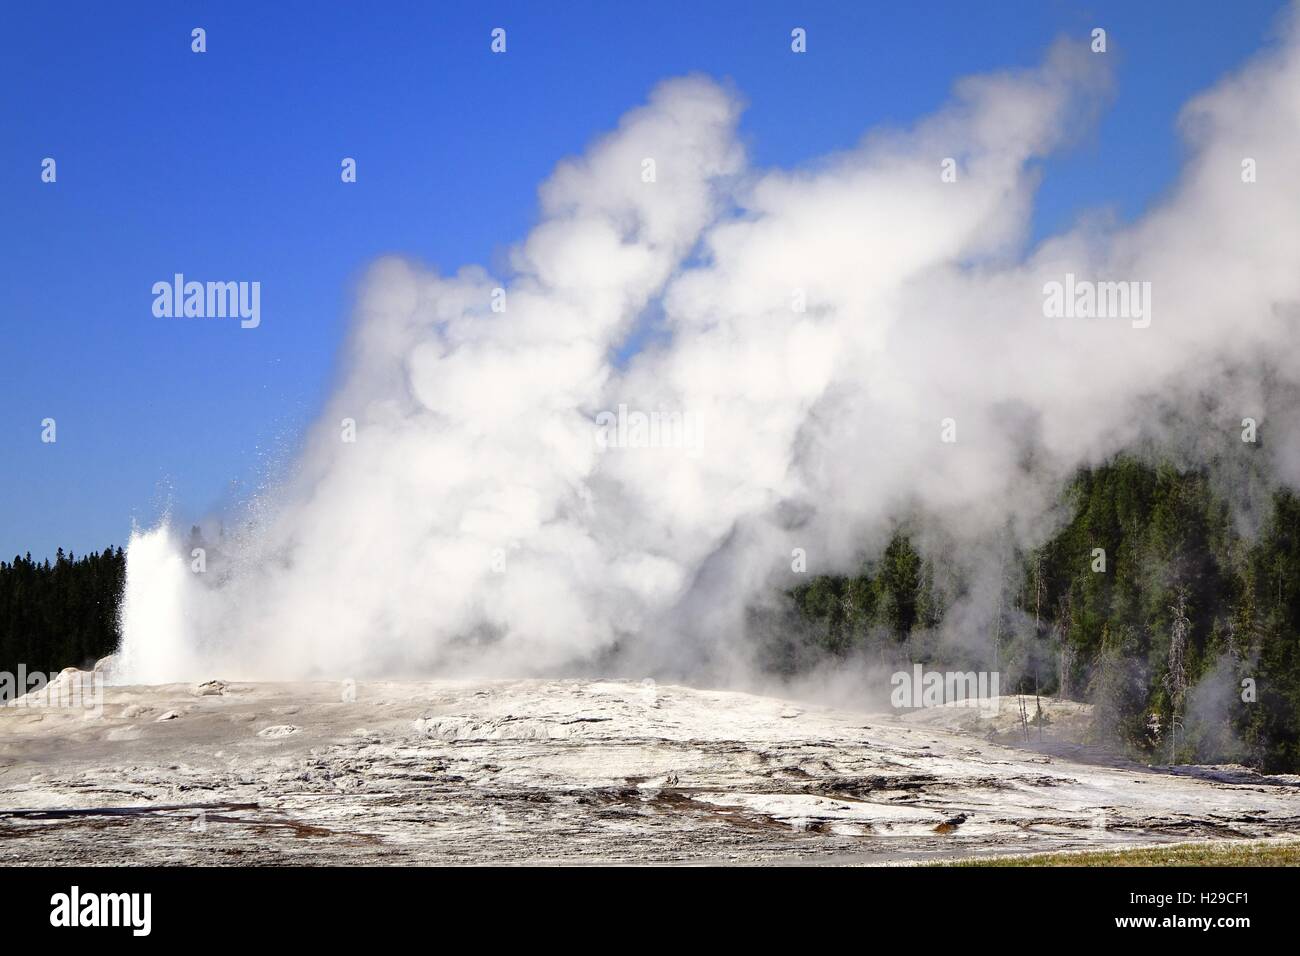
483	522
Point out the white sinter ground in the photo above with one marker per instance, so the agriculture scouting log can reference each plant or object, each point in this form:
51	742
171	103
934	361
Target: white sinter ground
571	771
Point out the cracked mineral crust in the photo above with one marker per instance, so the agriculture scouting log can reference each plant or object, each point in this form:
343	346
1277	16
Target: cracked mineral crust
570	771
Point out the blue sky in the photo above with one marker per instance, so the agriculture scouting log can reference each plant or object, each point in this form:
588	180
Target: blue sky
225	165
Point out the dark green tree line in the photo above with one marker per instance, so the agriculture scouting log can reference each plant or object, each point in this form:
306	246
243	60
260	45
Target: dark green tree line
61	613
1186	639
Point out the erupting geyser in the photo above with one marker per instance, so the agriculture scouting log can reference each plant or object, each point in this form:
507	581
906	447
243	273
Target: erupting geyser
156	642
863	339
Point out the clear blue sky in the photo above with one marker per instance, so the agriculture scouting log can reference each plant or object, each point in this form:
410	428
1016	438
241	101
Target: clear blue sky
226	166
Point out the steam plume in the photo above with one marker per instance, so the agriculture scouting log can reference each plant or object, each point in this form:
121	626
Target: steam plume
483	522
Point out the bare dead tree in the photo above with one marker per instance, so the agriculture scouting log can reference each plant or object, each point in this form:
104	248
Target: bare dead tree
1175	679
1038	634
1067	654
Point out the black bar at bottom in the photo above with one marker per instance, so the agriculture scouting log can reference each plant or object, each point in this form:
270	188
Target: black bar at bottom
931	906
